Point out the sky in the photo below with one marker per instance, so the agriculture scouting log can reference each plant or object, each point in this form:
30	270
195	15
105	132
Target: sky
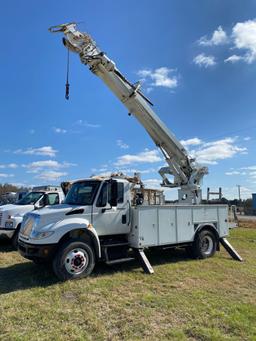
196	61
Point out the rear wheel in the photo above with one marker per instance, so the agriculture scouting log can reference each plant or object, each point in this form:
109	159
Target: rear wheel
205	244
74	259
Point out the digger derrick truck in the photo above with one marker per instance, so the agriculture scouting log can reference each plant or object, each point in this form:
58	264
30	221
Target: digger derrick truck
101	220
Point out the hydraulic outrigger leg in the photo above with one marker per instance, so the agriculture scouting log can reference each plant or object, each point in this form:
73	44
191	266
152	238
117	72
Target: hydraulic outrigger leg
229	248
144	262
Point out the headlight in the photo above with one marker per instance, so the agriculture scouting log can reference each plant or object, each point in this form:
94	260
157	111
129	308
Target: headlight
40	235
30	221
9	224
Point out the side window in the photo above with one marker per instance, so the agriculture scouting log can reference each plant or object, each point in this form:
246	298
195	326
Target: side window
53	199
120	193
103	196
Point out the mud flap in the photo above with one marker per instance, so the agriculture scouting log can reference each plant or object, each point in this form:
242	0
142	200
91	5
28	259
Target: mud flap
144	262
229	248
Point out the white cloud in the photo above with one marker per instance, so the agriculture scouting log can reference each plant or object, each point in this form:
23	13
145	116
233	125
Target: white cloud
253	174
134	170
45	151
9	165
250	168
244	37
5	175
211	152
191	142
37	165
152	183
205	61
232	192
219	37
148	156
87	124
22	184
121	144
51	175
233	59
235	173
159	78
247	138
59	130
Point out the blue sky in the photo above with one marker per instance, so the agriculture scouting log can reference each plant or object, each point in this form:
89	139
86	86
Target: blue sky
197	62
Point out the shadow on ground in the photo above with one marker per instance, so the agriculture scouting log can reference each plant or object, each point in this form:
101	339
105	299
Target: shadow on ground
6	245
27	275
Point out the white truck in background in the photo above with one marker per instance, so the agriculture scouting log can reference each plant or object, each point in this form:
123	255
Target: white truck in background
103	218
11	215
11	197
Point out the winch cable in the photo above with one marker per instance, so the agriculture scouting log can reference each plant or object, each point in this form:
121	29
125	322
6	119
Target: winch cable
67	83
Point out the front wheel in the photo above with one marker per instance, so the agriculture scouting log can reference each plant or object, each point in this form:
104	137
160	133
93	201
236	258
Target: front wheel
74	259
15	238
205	244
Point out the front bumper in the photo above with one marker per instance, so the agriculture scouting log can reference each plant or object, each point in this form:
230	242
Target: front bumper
33	251
7	232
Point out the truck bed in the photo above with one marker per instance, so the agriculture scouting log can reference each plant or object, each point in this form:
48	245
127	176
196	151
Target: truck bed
173	224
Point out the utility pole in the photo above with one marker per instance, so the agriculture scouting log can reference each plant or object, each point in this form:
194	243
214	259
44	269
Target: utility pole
239	192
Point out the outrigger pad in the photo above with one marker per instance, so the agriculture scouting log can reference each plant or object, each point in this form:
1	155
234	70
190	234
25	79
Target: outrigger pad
229	248
144	262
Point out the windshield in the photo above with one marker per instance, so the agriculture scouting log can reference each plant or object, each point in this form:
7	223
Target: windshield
82	193
30	199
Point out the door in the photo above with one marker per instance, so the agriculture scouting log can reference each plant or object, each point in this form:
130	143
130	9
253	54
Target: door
148	226
109	220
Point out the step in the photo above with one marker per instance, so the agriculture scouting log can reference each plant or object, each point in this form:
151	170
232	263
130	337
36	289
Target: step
115	244
120	260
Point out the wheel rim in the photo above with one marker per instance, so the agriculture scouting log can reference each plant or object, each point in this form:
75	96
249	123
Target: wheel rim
207	245
76	261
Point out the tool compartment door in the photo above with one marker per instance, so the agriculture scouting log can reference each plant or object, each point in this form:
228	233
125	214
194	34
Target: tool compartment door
167	225
185	227
148	226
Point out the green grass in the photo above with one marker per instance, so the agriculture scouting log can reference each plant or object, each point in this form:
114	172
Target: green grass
185	299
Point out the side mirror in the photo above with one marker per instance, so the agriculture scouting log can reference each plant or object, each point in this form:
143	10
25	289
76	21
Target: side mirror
106	208
41	203
113	199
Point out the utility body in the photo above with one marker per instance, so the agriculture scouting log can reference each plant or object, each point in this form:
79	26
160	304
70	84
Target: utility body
11	215
108	219
102	219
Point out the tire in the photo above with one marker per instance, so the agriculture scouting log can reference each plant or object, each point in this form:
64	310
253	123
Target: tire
205	244
74	259
15	238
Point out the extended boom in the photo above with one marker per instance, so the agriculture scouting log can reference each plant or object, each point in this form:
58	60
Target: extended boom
187	174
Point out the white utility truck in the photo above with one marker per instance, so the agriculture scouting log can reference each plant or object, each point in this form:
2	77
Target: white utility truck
103	218
11	215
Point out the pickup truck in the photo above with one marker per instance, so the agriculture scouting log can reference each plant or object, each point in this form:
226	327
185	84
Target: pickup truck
11	215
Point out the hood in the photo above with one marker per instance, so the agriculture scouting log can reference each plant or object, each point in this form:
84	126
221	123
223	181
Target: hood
14	210
53	214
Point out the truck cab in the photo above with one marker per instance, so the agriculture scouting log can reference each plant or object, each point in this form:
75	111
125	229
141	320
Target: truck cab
11	215
96	210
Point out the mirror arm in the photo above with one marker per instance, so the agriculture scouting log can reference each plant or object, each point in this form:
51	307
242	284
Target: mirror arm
103	210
